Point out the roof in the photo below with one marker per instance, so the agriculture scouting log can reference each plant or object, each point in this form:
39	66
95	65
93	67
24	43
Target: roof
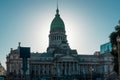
57	23
42	55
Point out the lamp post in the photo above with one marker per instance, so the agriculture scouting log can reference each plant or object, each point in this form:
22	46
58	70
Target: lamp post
118	50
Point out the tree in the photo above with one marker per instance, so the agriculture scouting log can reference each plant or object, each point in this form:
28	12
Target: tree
113	41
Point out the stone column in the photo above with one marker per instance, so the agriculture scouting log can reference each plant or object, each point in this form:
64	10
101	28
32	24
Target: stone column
57	68
65	69
77	68
42	69
46	68
73	68
62	68
35	70
39	70
69	69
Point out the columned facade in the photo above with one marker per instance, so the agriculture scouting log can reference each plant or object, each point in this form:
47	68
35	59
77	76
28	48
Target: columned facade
59	62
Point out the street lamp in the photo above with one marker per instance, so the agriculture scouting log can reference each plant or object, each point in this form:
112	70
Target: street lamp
118	50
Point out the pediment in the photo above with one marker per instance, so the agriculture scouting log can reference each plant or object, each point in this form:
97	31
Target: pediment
67	57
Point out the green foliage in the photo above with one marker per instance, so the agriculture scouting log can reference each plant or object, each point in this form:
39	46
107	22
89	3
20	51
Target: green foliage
113	41
113	36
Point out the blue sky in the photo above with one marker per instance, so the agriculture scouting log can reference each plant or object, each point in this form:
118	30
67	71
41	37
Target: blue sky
88	23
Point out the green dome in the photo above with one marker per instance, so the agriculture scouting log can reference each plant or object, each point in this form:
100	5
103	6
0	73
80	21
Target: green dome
57	23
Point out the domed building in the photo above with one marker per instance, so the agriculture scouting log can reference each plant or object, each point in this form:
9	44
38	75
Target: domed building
57	36
60	62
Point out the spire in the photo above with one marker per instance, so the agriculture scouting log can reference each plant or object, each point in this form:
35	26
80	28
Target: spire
57	11
119	22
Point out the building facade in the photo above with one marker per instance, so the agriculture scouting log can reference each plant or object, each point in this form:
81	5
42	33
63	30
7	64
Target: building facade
105	47
2	70
59	61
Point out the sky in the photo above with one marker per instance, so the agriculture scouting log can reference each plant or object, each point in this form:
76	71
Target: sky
88	23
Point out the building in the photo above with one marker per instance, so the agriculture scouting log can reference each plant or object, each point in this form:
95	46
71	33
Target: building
59	61
105	47
2	70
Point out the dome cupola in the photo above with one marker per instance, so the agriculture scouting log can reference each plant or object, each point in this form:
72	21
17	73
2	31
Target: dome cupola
57	34
57	23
